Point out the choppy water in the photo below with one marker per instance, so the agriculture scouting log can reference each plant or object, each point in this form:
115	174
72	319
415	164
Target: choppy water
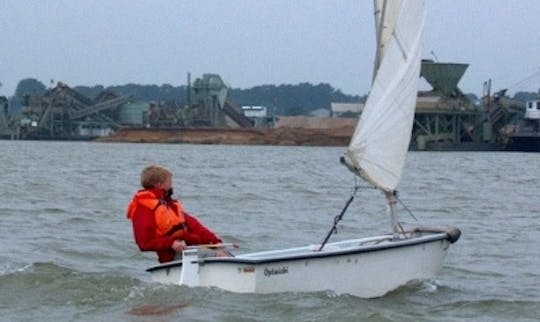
67	252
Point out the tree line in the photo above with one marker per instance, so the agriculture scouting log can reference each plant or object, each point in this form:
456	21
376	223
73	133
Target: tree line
285	99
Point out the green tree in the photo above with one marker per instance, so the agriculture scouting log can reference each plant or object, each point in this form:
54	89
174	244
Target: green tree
29	86
287	99
526	96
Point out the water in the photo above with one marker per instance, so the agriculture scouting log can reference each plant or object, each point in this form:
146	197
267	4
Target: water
67	250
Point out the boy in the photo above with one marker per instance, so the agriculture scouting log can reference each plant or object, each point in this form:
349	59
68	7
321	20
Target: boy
160	223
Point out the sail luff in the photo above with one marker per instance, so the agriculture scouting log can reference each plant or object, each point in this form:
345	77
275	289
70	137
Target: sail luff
386	14
379	14
381	139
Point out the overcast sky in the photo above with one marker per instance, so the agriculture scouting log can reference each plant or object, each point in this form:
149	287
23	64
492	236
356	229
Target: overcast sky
255	42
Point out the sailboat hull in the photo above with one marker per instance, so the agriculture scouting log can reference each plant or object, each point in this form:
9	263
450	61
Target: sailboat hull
368	267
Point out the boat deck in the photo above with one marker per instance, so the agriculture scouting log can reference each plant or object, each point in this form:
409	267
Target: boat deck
354	246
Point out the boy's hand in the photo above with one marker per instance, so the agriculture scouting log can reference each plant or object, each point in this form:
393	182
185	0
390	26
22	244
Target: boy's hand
178	245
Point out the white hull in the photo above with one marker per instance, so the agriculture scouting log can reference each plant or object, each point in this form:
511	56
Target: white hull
369	267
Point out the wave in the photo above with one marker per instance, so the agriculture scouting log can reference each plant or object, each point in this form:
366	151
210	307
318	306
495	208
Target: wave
11	268
52	284
63	293
491	309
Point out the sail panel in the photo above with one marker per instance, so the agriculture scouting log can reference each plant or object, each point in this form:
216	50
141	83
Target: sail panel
381	139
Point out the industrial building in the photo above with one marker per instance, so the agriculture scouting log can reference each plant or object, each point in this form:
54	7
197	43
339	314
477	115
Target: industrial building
62	113
445	118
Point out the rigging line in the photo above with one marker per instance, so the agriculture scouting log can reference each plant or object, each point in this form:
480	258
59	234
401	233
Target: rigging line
402	230
404	206
531	76
340	216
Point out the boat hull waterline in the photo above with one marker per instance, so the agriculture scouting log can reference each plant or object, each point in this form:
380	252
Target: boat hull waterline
367	268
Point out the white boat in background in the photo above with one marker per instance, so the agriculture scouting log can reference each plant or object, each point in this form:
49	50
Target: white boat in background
527	136
365	267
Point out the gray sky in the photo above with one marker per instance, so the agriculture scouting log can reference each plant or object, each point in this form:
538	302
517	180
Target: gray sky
255	42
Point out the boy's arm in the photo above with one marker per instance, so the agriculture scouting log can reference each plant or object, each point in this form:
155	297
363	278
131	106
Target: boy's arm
144	230
198	233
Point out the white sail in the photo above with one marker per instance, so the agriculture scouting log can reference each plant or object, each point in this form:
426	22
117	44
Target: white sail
381	139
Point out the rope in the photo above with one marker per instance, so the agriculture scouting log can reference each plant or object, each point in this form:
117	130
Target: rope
338	218
526	79
404	206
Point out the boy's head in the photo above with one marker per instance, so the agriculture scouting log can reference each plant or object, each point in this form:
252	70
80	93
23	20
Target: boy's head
154	175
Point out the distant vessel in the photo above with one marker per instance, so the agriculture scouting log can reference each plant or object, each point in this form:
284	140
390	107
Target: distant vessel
527	136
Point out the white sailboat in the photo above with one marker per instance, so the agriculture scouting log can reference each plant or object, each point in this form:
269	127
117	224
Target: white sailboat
364	267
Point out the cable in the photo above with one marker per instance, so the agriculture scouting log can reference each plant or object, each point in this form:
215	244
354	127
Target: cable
338	218
404	206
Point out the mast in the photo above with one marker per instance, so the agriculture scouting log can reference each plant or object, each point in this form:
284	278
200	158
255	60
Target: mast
380	142
392	201
380	9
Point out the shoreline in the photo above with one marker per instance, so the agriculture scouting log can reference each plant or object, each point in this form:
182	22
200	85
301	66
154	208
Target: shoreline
236	136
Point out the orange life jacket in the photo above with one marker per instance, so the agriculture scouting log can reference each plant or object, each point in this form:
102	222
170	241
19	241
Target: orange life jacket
169	221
